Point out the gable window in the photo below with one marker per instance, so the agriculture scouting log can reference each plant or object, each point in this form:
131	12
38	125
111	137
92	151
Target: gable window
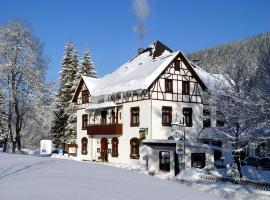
177	65
134	116
168	85
166	116
185	87
115	147
206	118
187	112
134	148
164	161
85	96
84	121
84	146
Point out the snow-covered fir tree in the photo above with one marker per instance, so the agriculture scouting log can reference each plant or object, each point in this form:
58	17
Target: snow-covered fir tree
70	131
87	66
62	110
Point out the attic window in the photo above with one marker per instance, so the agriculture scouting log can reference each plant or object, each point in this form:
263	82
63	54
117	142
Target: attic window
177	65
85	96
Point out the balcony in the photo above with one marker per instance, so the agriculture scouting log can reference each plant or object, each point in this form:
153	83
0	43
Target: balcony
105	129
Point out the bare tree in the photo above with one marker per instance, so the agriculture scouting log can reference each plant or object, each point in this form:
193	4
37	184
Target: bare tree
22	66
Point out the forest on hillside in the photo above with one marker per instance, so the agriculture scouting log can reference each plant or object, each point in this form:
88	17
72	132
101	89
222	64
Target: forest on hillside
253	54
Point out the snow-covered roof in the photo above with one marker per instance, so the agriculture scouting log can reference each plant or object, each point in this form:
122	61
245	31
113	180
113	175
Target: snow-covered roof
212	81
107	104
137	73
142	70
215	133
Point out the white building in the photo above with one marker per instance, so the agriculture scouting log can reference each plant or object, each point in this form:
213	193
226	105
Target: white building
126	116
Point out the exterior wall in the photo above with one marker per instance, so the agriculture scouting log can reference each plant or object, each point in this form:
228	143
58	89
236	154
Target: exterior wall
80	134
163	132
153	155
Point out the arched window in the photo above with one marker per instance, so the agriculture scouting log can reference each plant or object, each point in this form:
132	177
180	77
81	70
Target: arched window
115	147
134	148
84	146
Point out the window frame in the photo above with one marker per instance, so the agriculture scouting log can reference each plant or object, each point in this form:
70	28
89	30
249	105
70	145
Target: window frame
169	85
84	142
189	114
115	143
166	112
85	96
134	148
177	65
185	88
134	114
84	121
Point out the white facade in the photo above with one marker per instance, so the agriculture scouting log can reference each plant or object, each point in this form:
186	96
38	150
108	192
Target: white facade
107	116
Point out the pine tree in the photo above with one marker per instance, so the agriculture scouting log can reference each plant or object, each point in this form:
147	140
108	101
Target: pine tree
63	110
87	66
70	132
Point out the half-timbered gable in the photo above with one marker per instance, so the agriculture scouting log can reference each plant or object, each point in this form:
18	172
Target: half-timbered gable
178	82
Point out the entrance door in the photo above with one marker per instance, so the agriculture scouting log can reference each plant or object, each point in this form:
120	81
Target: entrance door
104	149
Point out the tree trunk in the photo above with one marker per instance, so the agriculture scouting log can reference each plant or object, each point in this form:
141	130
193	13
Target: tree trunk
5	144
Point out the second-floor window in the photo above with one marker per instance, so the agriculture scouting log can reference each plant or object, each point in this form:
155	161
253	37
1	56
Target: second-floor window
166	116
168	85
177	65
134	116
187	112
185	87
84	121
103	119
85	96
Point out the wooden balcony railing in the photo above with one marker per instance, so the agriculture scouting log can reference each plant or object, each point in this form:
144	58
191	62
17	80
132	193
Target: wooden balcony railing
105	129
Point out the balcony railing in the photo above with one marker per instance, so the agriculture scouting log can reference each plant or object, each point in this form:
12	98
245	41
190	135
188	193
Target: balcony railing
105	129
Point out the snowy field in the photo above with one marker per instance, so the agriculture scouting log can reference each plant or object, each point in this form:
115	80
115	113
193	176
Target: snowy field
27	177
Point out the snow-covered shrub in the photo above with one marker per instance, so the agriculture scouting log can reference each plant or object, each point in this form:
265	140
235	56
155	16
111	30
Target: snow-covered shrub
232	171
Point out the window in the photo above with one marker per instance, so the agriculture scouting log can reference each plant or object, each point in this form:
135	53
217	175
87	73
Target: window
164	161
168	85
84	146
84	121
103	119
206	118
85	96
115	147
187	112
134	148
217	153
113	117
185	87
198	160
134	116
177	65
166	116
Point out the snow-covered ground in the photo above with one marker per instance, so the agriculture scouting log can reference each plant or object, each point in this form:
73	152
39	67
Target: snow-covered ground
28	177
191	178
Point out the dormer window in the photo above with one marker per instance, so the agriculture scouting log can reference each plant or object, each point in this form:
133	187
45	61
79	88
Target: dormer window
85	96
168	85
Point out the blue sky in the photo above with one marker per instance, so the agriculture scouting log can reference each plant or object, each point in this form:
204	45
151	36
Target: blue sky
106	26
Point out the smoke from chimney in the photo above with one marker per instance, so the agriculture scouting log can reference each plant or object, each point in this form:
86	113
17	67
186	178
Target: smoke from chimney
142	10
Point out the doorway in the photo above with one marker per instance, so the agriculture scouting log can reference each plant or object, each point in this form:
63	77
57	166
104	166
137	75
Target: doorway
104	149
